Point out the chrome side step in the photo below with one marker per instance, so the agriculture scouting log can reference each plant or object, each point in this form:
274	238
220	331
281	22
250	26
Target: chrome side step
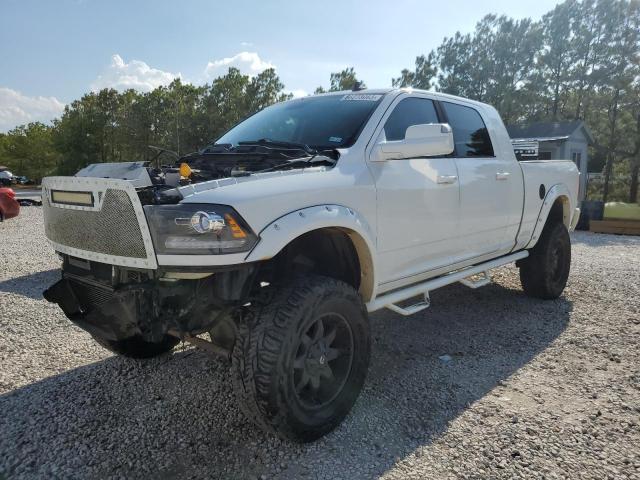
389	300
472	282
415	308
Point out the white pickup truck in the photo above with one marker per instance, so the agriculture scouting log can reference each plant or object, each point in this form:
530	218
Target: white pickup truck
280	237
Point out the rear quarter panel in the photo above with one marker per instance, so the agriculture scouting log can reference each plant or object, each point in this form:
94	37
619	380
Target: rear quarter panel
545	174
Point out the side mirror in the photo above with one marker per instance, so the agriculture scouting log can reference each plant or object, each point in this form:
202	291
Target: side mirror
427	140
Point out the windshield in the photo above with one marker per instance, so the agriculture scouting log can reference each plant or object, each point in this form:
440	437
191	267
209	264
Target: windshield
328	121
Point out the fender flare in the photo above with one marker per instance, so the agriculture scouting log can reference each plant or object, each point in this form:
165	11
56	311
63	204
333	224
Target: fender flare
282	231
569	211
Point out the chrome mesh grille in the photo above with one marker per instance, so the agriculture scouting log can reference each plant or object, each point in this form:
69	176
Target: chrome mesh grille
113	230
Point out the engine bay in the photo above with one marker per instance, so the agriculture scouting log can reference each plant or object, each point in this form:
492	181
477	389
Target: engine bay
157	183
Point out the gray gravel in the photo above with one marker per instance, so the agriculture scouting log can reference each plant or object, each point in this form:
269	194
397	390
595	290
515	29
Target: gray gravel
485	384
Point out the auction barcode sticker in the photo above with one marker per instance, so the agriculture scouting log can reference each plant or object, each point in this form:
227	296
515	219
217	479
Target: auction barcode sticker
364	97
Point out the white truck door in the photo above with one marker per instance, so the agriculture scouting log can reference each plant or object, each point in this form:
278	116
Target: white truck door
490	186
417	200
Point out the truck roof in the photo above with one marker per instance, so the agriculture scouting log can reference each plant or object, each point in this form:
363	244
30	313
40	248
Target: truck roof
366	91
384	91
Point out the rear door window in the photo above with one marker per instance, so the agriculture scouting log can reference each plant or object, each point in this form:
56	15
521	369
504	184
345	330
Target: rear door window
470	134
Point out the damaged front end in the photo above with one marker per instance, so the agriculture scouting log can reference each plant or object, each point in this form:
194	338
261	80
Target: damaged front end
120	229
112	284
115	303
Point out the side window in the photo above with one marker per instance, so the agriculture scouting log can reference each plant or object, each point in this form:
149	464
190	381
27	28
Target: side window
410	111
470	134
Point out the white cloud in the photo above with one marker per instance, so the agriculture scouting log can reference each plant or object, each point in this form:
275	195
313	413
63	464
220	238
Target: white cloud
297	93
135	74
17	109
249	63
246	44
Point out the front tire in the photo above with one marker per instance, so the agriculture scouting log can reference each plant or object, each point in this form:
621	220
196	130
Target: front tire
135	347
301	357
545	271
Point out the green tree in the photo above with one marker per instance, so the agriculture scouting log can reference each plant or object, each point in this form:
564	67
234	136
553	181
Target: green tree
493	64
588	30
263	90
28	150
185	130
225	102
621	62
422	77
514	46
76	136
557	55
343	80
109	126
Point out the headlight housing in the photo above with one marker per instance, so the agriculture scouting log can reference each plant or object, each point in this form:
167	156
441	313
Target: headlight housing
198	229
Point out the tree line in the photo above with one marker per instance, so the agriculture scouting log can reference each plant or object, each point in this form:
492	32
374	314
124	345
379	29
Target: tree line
112	126
580	61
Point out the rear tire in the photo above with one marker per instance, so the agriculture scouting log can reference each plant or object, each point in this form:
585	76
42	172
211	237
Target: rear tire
135	347
545	271
301	357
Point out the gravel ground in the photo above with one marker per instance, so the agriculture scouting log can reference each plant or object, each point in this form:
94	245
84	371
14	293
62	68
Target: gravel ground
485	384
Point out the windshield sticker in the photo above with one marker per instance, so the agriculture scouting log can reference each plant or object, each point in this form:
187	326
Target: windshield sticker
362	97
335	139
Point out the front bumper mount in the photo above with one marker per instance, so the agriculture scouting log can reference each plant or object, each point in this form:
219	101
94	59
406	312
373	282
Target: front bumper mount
148	310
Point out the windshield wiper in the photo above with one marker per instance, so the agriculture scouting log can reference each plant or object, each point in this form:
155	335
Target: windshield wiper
280	143
217	148
315	158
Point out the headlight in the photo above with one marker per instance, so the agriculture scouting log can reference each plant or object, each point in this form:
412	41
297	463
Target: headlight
195	228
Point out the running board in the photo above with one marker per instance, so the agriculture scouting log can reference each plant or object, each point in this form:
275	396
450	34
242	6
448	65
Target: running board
389	300
485	279
415	308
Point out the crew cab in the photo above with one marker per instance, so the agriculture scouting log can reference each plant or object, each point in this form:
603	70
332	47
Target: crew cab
279	238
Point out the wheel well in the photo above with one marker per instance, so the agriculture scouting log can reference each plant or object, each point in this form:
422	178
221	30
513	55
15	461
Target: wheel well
559	212
333	252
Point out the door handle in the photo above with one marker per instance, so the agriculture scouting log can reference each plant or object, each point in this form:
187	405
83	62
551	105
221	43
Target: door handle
447	179
502	175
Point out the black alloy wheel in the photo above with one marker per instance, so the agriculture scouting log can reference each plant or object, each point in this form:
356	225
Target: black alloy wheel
301	357
323	360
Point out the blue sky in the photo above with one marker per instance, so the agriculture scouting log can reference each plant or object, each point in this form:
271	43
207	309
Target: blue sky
54	51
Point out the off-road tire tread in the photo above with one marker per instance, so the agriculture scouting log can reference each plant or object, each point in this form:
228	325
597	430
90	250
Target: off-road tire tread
534	270
262	330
